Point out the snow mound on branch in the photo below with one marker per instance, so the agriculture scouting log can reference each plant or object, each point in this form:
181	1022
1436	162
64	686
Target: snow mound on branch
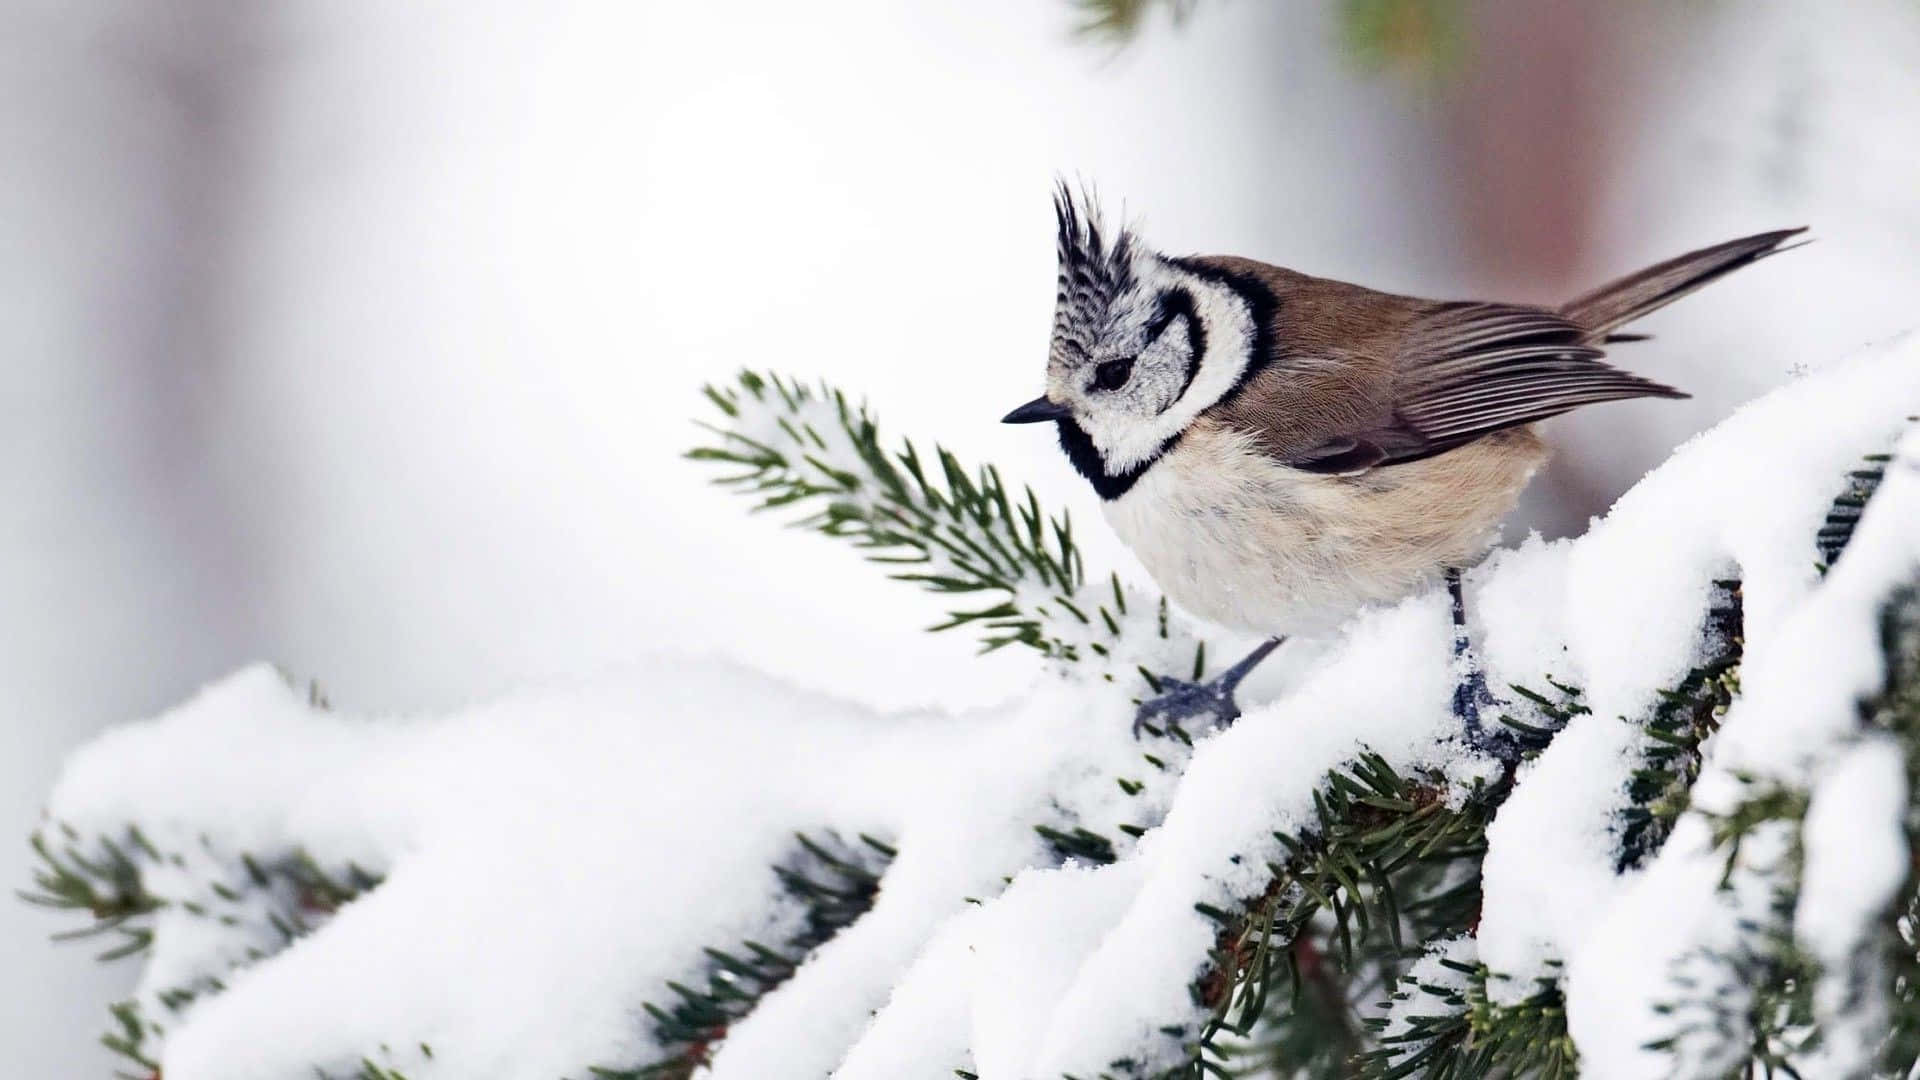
1619	612
1796	726
1742	501
518	925
552	860
1391	683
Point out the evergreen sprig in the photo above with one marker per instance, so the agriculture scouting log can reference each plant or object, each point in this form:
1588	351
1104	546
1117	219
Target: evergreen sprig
106	880
105	884
835	883
949	529
960	530
1456	1030
1658	790
1388	864
1898	712
1117	22
1776	1026
1843	516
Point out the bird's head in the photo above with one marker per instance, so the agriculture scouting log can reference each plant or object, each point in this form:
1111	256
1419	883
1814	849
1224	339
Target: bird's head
1141	345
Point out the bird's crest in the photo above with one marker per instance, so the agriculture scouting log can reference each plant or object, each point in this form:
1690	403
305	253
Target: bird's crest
1094	270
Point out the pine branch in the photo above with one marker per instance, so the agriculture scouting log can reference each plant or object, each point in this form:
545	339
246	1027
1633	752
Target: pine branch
1388	864
1453	1029
834	882
1353	903
962	532
106	885
1117	22
1777	1026
1658	791
105	879
1898	712
954	531
1843	516
948	529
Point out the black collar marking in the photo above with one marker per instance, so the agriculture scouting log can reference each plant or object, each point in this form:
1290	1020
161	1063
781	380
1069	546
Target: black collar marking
1086	460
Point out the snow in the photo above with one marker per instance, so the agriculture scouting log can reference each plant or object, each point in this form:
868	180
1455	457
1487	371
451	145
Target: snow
553	858
629	814
1856	861
535	803
1390	687
1743	500
1797	718
1437	972
397	277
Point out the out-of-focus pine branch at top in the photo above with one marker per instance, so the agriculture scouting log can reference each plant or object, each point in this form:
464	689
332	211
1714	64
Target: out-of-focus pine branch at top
946	528
1423	36
1118	21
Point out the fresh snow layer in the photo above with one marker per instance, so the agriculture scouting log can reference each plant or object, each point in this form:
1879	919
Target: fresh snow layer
1621	616
1795	726
1856	861
553	859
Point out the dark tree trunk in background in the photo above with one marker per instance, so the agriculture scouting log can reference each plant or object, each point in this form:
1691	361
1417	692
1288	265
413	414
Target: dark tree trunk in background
124	578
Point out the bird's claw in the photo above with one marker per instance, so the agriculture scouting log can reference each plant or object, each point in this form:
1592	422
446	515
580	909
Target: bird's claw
1178	699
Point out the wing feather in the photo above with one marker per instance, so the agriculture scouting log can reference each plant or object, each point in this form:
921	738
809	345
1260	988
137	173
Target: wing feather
1463	371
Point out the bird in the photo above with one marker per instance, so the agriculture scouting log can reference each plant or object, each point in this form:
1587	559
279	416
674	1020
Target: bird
1281	451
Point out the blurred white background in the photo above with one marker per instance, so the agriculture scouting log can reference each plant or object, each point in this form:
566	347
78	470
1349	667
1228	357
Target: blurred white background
363	337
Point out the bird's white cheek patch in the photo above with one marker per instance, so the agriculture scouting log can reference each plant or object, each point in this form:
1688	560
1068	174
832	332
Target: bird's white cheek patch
1126	442
1227	323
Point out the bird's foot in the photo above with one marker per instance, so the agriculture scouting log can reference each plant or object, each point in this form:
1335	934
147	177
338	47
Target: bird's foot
1178	700
1504	742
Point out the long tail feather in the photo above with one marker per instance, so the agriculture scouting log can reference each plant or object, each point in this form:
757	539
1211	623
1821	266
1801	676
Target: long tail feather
1620	302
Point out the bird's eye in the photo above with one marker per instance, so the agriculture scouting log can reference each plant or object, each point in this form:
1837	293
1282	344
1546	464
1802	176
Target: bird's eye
1113	374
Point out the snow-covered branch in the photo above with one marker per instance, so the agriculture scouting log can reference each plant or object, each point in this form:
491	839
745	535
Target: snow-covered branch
694	867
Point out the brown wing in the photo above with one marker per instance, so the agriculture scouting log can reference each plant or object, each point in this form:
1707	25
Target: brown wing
1357	379
1468	370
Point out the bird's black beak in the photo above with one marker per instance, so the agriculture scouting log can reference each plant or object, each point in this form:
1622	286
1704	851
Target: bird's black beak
1039	410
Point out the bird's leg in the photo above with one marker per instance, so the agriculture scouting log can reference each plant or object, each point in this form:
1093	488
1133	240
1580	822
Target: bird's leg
1178	699
1471	691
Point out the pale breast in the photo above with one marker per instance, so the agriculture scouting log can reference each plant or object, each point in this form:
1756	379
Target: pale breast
1240	540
